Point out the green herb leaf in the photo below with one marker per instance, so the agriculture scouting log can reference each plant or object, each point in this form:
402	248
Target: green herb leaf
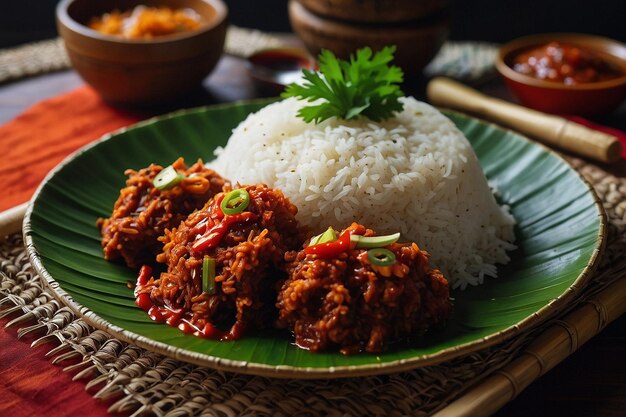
364	86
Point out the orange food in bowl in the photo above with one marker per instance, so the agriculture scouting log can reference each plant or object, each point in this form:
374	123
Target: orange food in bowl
143	71
147	22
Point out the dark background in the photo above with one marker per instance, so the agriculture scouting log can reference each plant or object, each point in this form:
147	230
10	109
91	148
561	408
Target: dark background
22	21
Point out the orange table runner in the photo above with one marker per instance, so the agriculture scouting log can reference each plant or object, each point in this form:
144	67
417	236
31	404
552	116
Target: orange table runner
41	137
30	385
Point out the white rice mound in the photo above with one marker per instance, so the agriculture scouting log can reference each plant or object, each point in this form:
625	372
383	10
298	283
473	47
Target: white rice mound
415	173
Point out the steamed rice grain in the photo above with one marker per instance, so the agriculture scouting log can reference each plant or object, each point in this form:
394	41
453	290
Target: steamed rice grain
415	173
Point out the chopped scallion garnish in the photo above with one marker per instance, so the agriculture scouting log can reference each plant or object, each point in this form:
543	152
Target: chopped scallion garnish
235	202
167	178
208	275
381	257
330	235
374	241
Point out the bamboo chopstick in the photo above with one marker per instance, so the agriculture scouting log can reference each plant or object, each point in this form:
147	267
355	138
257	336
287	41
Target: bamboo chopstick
550	348
550	129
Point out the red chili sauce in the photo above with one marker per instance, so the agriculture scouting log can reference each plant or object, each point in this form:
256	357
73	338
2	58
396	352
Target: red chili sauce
282	59
565	63
176	317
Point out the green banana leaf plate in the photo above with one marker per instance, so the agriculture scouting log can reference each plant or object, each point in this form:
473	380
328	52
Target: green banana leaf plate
560	236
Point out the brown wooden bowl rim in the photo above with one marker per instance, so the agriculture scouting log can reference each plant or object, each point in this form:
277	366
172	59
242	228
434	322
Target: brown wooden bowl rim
304	16
337	9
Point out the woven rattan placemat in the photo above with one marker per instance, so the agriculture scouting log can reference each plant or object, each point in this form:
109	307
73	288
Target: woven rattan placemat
144	383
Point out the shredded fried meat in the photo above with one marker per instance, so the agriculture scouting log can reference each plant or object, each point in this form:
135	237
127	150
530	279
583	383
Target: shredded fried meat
142	213
249	260
350	304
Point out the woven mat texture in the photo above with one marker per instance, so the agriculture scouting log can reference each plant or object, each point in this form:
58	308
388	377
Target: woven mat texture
145	383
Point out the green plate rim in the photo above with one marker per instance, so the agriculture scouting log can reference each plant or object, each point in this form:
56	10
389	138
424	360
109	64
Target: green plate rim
286	371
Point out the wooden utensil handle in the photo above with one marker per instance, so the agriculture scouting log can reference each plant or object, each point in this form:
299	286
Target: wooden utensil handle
11	220
552	130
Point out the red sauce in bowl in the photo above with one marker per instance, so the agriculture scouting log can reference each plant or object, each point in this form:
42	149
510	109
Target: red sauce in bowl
565	63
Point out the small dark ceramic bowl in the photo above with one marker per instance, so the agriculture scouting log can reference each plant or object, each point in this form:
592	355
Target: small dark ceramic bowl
142	71
554	97
273	69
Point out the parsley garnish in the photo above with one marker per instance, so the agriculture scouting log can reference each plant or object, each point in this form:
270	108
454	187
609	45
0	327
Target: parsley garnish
364	86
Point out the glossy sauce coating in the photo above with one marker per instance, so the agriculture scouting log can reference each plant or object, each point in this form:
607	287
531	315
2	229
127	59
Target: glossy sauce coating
177	317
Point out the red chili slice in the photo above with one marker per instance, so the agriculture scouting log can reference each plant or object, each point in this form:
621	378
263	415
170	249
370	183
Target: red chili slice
331	250
142	300
214	235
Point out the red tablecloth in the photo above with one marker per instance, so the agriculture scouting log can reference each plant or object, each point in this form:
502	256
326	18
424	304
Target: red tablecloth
31	386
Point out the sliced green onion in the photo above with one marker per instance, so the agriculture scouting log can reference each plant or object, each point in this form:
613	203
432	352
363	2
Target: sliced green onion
167	178
235	202
315	240
373	241
330	235
208	275
381	257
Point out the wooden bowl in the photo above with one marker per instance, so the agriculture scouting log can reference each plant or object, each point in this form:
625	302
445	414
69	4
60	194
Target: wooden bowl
417	42
554	97
375	11
142	71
